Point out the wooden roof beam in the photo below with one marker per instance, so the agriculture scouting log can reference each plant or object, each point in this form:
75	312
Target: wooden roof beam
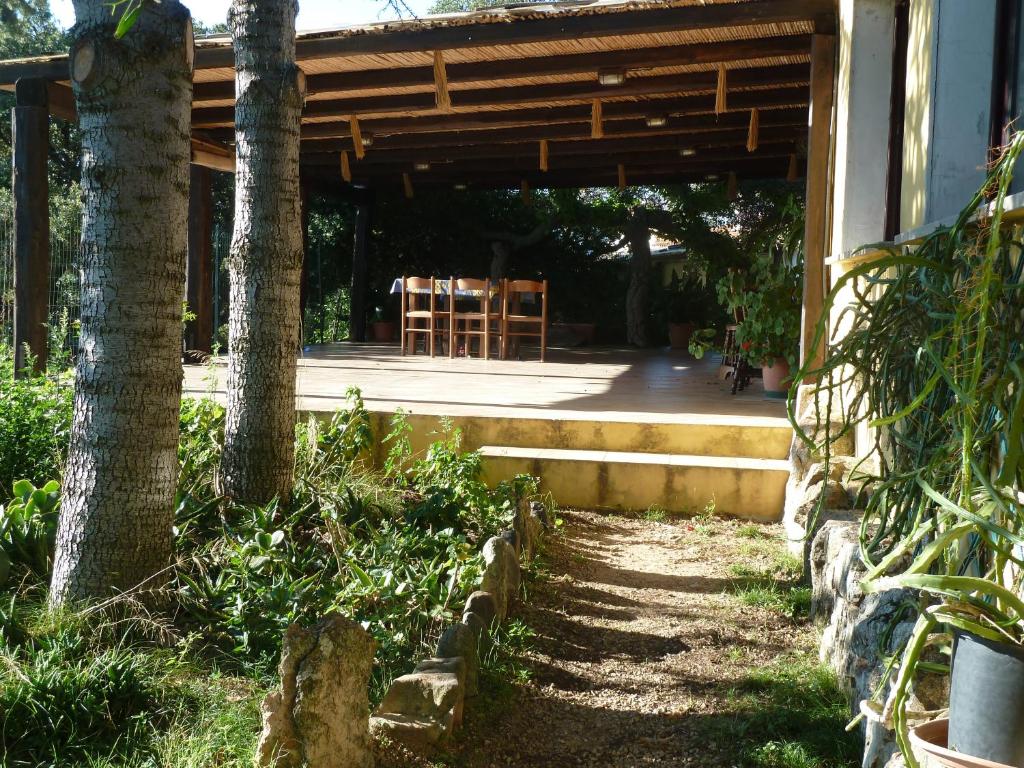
734	138
551	27
537	66
774	168
758	77
734	157
700	127
218	53
684	105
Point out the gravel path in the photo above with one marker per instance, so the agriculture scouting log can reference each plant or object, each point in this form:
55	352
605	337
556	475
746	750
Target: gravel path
639	644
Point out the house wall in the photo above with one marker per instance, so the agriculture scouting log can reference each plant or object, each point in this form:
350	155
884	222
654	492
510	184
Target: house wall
863	103
946	123
863	90
949	93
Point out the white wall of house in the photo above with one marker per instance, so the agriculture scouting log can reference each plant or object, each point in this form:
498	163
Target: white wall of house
863	87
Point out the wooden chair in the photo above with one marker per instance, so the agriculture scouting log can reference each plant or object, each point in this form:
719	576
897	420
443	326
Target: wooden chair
515	324
466	325
420	313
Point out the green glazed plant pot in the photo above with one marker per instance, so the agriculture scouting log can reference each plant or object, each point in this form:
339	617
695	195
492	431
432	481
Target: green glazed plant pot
776	378
986	700
679	335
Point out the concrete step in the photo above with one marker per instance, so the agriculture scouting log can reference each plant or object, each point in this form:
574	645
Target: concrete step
748	488
760	437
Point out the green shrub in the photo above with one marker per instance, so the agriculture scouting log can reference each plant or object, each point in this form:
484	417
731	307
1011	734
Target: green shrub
199	446
28	528
35	425
396	551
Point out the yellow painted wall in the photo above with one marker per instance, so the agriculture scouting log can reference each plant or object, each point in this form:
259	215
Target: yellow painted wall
917	127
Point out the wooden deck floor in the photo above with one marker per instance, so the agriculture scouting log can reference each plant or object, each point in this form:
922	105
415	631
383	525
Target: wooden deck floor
644	386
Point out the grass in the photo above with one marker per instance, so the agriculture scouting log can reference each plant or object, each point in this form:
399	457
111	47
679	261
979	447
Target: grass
501	662
655	514
704	522
776	586
790	714
101	690
751	531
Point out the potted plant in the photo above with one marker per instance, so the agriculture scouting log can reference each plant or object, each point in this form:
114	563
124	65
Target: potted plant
768	298
382	331
688	303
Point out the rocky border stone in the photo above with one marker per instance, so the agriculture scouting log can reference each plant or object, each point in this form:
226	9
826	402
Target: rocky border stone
318	718
423	709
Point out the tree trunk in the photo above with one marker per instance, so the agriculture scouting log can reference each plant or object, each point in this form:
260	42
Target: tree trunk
265	264
638	294
501	252
134	99
360	266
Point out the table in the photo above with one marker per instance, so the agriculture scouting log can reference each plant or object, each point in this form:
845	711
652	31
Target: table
443	289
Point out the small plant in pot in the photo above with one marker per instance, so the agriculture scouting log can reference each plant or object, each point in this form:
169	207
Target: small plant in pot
382	331
767	299
688	303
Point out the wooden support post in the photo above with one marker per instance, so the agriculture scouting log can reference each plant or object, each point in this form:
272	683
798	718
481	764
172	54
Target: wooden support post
199	289
30	125
819	146
304	285
360	250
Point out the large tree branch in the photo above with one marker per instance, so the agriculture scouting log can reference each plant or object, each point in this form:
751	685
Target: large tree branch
516	241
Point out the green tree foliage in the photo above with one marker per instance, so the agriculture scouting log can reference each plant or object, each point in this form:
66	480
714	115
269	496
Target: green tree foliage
450	232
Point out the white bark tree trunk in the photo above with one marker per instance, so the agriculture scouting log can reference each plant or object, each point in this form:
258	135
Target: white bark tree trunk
134	98
266	254
638	305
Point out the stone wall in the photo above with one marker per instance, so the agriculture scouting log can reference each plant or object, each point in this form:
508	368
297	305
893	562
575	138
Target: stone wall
860	633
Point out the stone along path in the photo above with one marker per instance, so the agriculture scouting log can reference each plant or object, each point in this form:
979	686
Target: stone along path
645	655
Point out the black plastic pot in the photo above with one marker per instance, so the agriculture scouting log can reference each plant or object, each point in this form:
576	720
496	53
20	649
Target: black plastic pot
986	700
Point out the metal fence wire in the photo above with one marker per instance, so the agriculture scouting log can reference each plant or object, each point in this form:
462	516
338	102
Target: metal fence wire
326	317
65	252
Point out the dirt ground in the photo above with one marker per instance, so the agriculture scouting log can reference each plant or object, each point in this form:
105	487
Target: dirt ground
641	652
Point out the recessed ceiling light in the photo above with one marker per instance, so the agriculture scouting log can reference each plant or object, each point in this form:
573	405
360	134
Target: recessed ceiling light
367	139
422	167
611	77
657	121
687	151
460	187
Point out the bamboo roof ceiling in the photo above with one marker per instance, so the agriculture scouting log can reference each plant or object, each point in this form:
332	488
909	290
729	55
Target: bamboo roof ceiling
527	74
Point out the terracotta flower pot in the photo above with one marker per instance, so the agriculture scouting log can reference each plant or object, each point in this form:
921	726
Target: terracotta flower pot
679	335
932	738
383	331
775	375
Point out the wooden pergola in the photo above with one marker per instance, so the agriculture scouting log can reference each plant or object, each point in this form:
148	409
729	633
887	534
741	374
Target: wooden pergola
563	94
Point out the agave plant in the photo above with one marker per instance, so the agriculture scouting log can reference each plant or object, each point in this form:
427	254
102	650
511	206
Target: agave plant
933	362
